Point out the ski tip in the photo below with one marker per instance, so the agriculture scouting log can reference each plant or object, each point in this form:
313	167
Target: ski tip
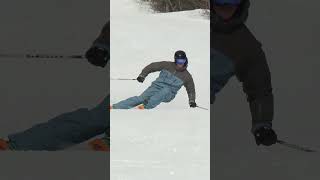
4	145
99	145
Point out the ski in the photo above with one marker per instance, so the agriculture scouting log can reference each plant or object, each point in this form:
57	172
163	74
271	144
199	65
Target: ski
140	107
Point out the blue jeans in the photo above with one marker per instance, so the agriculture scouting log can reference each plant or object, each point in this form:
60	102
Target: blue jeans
222	69
64	130
151	97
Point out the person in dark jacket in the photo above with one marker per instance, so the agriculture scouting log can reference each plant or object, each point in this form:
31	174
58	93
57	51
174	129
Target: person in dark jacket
70	128
235	51
173	75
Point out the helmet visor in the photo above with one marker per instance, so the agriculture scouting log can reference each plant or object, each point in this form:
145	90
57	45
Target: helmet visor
181	61
226	2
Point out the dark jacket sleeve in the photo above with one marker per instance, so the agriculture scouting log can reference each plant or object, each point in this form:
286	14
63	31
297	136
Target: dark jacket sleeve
103	40
190	87
154	67
257	86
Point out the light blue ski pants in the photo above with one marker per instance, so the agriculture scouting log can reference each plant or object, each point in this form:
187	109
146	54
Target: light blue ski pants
65	130
151	97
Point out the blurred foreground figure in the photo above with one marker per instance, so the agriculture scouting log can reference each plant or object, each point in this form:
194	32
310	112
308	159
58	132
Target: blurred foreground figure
70	128
235	51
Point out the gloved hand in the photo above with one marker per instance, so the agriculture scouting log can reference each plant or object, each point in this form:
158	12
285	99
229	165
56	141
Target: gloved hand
265	136
140	79
97	56
193	104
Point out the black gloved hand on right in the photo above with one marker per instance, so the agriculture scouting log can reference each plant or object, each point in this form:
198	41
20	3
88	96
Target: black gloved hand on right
140	79
192	104
97	56
265	136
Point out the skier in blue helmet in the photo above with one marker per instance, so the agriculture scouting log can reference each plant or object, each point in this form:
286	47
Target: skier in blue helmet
173	75
236	52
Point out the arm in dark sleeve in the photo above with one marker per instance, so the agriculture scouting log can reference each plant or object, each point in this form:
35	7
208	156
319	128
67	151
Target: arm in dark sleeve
103	40
190	87
258	88
153	67
99	52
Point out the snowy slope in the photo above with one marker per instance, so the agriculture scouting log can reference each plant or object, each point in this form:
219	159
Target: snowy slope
171	141
146	147
139	38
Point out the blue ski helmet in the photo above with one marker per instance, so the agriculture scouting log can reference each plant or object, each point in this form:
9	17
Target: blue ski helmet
180	57
227	2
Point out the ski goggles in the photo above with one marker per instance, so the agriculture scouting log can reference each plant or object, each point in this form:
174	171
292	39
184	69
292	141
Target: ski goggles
181	61
226	2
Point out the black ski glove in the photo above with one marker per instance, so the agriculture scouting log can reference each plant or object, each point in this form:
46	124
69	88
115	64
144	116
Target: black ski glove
265	136
97	56
193	104
140	79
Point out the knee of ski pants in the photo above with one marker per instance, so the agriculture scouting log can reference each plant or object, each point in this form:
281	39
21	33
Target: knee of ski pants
150	91
168	95
101	113
165	95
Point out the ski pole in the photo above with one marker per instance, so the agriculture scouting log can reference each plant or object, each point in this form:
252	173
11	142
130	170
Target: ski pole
294	146
47	56
202	107
122	79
